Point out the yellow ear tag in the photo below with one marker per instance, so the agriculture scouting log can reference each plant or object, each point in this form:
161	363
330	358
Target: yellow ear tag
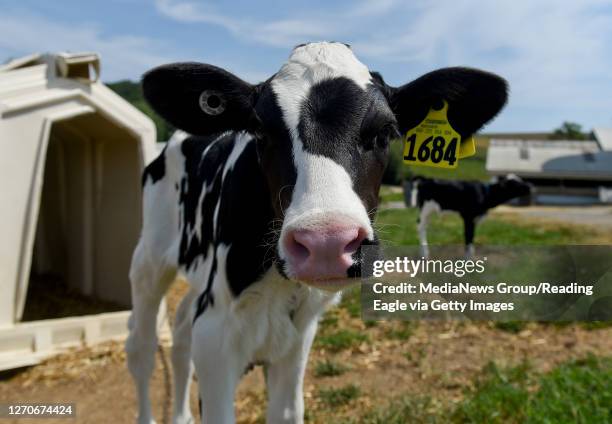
434	142
467	148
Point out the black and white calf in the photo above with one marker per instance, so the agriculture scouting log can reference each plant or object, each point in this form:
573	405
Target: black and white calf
265	206
470	199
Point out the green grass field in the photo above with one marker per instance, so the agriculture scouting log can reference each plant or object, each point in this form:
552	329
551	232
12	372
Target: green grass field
391	194
398	227
579	391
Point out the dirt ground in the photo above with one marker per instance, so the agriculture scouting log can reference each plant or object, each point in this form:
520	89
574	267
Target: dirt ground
438	359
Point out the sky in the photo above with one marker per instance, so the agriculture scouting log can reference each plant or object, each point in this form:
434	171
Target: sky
555	54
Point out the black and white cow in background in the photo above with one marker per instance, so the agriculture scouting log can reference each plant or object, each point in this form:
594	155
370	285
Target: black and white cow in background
470	199
268	201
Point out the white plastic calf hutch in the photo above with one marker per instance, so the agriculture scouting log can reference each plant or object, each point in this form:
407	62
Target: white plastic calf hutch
72	152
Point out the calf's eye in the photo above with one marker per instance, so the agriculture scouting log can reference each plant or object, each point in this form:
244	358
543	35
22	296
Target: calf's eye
379	138
385	136
382	140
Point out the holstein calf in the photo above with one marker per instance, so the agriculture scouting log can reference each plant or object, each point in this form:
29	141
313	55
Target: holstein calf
264	208
470	199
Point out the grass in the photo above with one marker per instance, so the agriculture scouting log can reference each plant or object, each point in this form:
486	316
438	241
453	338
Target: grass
419	410
596	325
472	168
398	227
511	326
339	340
415	356
579	391
338	397
402	331
329	368
499	397
391	194
351	301
329	320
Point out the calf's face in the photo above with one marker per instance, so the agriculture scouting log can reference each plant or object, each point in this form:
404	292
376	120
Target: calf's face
325	130
513	186
322	124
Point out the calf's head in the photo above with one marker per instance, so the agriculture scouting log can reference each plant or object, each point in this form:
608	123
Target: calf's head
322	124
507	187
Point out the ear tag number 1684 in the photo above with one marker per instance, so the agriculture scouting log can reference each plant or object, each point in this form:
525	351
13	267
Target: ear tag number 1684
434	142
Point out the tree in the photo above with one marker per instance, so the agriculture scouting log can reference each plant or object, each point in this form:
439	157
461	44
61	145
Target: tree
569	131
132	92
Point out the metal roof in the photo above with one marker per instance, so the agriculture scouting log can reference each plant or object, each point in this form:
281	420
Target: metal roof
550	159
604	138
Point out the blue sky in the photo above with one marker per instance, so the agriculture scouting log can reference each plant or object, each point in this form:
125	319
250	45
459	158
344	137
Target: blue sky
556	54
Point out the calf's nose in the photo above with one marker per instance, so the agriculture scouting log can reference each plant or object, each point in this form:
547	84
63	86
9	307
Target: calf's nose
325	253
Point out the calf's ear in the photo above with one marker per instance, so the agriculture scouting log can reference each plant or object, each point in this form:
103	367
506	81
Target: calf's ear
198	98
474	97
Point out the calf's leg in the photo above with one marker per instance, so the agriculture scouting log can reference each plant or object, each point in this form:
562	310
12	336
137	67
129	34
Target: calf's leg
181	359
148	285
285	381
469	228
428	208
218	365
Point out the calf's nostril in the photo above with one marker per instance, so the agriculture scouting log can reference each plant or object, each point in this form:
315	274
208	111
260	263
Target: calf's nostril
354	244
297	247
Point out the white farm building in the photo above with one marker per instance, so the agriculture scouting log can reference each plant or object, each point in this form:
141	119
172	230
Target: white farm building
567	168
